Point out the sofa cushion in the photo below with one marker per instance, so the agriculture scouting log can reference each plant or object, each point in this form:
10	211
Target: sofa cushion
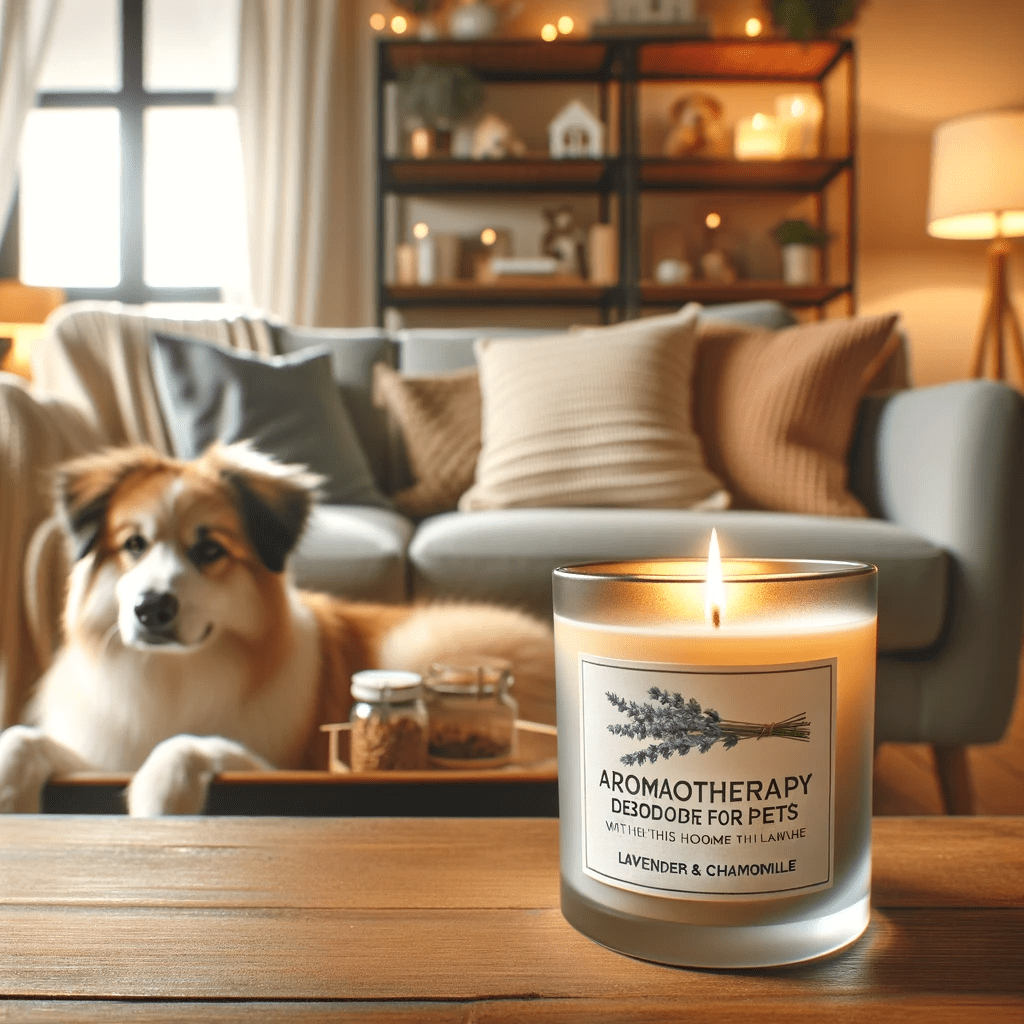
354	552
288	406
508	555
776	410
439	419
597	418
354	353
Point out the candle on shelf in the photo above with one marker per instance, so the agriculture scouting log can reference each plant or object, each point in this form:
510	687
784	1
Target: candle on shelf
753	849
405	263
426	269
758	138
799	116
419	143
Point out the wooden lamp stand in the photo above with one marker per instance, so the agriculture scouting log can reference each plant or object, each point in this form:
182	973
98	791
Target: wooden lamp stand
1000	318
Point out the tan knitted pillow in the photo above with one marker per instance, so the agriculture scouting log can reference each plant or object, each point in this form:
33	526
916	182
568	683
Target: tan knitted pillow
600	418
776	409
439	420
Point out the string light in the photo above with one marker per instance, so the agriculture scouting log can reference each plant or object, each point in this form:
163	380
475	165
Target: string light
713	220
398	24
378	22
753	27
566	24
488	236
549	33
420	230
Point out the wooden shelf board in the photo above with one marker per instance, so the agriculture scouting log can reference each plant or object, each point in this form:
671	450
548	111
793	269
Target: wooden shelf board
654	294
739	59
506	290
725	174
518	60
434	175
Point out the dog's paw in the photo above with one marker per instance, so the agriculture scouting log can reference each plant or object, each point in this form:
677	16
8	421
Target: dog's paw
176	777
28	757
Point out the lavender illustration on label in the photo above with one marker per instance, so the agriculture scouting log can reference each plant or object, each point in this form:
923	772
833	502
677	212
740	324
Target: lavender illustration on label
678	725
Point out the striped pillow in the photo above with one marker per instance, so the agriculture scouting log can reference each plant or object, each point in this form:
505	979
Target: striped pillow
438	417
777	409
597	418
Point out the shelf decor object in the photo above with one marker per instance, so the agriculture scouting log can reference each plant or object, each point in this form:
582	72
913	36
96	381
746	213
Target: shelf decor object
977	191
716	725
760	137
799	115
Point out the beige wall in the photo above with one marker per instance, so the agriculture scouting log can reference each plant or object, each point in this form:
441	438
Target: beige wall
919	62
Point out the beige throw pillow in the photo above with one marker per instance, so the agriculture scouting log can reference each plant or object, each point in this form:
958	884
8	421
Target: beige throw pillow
439	421
777	409
600	418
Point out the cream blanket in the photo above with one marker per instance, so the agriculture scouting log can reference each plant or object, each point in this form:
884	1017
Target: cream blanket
92	388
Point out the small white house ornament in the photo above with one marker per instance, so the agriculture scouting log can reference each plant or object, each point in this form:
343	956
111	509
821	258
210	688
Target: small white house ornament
575	132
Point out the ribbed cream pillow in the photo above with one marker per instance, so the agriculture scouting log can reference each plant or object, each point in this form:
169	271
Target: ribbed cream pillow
596	418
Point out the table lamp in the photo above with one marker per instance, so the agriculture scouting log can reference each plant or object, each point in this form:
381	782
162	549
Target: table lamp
977	191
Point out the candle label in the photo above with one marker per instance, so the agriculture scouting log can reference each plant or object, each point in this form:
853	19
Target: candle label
708	782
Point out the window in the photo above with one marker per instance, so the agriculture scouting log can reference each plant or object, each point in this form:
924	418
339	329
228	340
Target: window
131	173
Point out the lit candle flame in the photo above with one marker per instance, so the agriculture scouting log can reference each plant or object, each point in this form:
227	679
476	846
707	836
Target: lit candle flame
714	588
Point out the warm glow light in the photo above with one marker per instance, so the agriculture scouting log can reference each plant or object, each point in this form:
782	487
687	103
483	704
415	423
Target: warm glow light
753	27
488	236
398	24
419	143
714	587
798	108
420	230
759	122
378	22
713	220
549	33
566	24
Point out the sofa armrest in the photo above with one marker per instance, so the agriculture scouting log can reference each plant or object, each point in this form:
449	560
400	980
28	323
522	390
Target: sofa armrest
36	433
947	462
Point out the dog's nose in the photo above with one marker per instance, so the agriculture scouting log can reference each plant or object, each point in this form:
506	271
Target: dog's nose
156	609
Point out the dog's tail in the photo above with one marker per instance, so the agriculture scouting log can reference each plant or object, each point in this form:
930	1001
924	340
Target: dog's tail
451	632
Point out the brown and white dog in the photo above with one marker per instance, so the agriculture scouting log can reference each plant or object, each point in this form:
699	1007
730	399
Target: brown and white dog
187	650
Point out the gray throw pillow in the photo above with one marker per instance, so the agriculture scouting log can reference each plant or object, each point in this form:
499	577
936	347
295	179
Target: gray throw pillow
288	406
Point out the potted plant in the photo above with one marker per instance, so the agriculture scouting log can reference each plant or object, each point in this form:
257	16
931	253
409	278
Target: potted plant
439	96
798	241
813	19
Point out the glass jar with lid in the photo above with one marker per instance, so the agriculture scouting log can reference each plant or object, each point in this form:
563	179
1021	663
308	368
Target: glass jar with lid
472	714
388	721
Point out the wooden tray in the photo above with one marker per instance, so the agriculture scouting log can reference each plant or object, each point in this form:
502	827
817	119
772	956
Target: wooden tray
535	758
525	787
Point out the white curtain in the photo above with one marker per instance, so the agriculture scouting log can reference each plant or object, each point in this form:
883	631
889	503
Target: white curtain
284	104
25	28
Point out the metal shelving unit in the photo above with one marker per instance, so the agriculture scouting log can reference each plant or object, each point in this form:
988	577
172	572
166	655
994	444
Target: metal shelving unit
628	174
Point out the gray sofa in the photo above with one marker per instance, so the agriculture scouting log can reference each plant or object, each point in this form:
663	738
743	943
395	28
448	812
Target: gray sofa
940	469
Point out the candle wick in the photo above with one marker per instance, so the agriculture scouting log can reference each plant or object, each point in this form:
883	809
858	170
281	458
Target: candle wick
716	616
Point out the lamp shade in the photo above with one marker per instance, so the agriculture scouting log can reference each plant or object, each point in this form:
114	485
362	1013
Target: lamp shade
977	183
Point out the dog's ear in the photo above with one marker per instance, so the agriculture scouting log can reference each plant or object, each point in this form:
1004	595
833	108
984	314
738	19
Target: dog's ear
83	487
274	500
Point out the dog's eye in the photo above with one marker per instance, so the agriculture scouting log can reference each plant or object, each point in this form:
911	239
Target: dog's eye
135	545
206	551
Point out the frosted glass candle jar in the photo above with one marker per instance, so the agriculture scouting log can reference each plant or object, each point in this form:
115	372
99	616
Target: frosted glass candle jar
715	780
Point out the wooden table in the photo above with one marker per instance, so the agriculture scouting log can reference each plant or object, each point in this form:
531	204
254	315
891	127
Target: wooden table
430	920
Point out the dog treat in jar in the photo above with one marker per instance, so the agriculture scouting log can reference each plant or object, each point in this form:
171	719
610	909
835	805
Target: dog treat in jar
389	721
472	714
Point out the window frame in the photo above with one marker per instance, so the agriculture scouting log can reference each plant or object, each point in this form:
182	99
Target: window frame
131	101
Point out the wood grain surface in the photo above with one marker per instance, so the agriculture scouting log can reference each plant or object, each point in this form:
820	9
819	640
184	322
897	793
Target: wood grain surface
455	920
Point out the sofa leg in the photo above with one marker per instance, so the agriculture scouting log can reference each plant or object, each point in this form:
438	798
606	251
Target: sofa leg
954	779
